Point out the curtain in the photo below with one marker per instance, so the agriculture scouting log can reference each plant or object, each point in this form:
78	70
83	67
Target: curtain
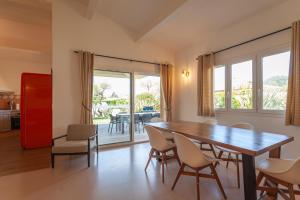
292	116
205	85
166	87
86	63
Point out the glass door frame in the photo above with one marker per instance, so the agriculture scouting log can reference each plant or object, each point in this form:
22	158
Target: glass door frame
132	76
131	104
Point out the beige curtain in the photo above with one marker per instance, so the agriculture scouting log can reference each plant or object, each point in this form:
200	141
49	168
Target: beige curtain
205	85
86	63
166	87
293	97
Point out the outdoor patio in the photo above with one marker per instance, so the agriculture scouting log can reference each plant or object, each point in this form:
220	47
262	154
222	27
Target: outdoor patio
116	136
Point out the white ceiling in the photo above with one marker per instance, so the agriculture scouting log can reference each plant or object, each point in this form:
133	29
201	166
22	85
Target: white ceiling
198	19
177	24
26	25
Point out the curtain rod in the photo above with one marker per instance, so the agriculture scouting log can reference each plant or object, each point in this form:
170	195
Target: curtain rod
254	39
125	59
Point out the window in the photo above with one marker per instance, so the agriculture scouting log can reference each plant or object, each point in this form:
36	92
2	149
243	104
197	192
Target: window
258	83
219	87
275	69
242	85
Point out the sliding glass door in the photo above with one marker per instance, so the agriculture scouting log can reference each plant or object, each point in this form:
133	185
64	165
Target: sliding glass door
146	103
120	98
112	106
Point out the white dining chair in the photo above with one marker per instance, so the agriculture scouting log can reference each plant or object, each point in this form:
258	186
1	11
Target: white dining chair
230	152
279	172
168	135
205	146
160	146
192	157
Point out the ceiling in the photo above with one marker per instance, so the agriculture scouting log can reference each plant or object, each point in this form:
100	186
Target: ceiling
176	24
196	20
27	11
24	24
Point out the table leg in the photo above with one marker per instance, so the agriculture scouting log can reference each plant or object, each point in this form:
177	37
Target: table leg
274	153
249	177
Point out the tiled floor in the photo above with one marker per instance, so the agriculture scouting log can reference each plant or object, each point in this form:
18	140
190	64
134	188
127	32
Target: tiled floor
117	174
116	136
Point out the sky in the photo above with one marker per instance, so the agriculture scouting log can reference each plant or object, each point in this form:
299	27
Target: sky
121	86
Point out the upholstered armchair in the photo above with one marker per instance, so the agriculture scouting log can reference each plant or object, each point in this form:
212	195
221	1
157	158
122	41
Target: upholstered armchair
77	141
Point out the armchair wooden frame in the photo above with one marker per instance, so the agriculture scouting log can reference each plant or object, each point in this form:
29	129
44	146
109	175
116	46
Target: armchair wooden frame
271	185
88	153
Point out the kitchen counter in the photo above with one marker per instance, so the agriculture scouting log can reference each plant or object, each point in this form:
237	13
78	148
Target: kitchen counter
5	119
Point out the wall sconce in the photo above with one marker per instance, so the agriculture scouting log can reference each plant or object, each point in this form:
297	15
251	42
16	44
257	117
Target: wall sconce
185	73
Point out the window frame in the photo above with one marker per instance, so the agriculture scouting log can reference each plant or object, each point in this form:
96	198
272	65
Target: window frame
260	56
257	85
225	75
229	82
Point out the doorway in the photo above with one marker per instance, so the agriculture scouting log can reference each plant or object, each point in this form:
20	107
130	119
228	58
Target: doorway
122	103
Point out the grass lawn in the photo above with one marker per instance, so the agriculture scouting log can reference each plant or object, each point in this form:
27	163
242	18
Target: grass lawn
101	121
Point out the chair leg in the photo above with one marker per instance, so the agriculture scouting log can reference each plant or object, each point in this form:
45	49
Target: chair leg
163	166
213	150
178	175
238	170
291	192
197	185
218	180
97	144
52	160
219	157
227	163
176	156
108	127
149	159
262	192
259	178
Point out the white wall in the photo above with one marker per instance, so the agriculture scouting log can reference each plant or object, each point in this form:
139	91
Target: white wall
264	22
14	62
24	47
71	32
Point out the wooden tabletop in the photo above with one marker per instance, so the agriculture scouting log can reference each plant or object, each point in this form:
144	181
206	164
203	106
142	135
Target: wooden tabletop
245	141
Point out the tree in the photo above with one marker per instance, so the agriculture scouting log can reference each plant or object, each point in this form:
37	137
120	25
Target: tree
146	99
99	90
277	81
98	97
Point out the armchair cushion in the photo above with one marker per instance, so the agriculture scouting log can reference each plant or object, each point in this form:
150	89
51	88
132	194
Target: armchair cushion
80	131
65	146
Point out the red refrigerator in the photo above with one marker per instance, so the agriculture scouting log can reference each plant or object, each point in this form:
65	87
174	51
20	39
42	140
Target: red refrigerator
36	110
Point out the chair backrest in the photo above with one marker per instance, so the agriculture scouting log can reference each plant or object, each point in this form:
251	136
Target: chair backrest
188	152
243	126
80	131
156	138
293	175
211	121
156	119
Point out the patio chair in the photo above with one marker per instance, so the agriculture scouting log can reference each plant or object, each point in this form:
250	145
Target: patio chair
137	122
114	120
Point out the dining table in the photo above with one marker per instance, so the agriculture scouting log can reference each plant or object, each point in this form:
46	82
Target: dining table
249	143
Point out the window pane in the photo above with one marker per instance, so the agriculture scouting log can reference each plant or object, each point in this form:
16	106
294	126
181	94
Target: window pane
241	85
275	80
219	87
